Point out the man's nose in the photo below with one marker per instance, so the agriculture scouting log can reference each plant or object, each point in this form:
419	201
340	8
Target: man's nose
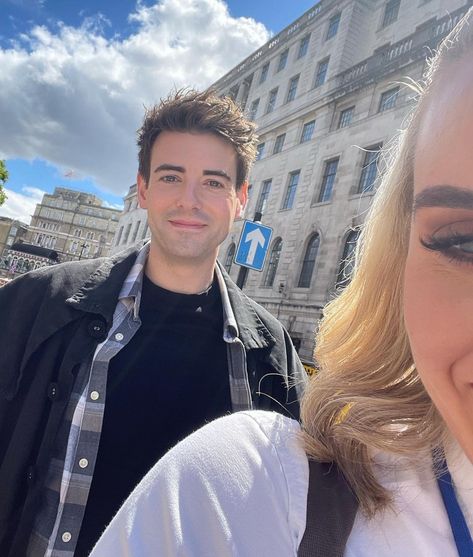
190	195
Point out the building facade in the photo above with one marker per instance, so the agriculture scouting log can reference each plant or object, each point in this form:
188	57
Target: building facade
327	96
11	232
76	225
133	224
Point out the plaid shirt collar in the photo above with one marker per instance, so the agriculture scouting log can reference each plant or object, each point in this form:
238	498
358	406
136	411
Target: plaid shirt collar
133	284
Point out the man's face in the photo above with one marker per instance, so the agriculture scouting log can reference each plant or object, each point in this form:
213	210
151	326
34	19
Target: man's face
191	197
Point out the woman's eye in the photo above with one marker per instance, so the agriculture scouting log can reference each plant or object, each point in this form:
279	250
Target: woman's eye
454	241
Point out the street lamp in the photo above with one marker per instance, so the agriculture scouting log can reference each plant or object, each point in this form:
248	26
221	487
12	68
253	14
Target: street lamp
83	246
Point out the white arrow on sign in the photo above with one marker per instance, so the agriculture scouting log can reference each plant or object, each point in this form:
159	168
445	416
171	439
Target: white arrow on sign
256	238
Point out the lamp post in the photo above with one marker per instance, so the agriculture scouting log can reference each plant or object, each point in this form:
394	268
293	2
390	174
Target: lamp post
83	246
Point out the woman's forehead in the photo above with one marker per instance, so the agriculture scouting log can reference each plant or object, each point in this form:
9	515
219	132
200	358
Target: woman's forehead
443	153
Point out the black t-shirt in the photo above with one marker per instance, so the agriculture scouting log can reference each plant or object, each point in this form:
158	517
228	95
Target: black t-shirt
170	379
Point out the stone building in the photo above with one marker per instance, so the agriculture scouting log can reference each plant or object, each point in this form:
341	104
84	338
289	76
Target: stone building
77	225
133	225
327	96
11	231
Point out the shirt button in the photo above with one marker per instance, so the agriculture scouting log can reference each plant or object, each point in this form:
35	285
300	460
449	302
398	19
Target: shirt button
66	537
83	463
118	336
94	395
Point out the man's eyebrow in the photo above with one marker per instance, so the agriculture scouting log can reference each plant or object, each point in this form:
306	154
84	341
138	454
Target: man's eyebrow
172	167
451	197
221	173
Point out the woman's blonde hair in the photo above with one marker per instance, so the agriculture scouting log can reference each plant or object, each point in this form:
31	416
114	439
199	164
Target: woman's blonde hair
367	394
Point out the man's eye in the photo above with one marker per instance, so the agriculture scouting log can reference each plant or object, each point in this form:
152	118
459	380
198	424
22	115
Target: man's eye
169	178
215	184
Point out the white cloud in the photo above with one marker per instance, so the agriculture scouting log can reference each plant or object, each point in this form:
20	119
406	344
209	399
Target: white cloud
75	98
21	206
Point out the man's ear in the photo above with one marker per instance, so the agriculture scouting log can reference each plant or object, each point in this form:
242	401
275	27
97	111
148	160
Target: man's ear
242	195
142	188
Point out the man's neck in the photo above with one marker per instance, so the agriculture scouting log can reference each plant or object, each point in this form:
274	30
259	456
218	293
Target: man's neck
190	278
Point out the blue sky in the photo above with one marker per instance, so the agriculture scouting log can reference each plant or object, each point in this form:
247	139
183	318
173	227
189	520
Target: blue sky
77	73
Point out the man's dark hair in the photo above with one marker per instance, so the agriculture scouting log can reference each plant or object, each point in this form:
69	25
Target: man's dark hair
194	111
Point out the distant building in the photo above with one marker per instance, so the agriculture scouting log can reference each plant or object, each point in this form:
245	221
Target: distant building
75	224
11	232
133	225
325	93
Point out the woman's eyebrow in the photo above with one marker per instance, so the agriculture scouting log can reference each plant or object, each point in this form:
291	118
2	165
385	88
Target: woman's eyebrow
451	197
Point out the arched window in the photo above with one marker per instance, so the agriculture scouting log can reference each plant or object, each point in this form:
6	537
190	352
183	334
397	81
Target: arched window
273	263
346	264
229	257
308	263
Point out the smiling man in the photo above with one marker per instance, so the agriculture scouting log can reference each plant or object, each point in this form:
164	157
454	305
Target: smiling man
110	362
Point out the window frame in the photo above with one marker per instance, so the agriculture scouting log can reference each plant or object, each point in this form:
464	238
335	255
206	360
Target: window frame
321	75
328	180
263	196
292	88
388	99
341	123
278	148
282	63
304	136
291	190
333	25
367	166
272	98
306	273
273	263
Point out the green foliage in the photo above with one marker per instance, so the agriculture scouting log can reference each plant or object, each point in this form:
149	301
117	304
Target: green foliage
3	179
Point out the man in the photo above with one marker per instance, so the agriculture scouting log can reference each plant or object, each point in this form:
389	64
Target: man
106	364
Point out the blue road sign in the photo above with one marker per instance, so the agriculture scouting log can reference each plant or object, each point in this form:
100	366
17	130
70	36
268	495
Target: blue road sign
253	245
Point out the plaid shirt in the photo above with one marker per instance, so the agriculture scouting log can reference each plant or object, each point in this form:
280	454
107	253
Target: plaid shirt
58	522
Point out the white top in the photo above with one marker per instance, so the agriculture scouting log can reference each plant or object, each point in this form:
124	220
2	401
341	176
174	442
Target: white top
238	487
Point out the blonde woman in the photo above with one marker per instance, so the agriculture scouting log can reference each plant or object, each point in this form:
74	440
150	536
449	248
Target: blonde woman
392	405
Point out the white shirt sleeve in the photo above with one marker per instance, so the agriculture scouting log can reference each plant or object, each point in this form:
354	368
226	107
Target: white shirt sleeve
237	487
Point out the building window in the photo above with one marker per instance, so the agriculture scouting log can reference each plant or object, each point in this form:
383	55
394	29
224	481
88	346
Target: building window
308	263
77	232
135	231
388	99
307	131
263	196
391	11
369	169
264	73
272	100
291	190
254	109
229	257
303	46
321	73
333	26
119	236
279	143
283	60
127	233
348	262
73	247
273	262
90	236
330	171
346	117
291	92
260	151
233	93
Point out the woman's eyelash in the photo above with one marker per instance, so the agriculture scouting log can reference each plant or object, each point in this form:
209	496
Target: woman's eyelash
450	246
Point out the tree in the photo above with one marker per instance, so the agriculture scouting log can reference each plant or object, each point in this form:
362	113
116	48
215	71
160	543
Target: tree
3	179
